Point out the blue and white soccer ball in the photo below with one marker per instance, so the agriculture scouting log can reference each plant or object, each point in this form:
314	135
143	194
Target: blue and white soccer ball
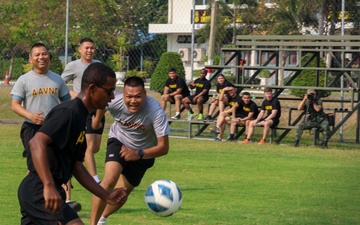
163	197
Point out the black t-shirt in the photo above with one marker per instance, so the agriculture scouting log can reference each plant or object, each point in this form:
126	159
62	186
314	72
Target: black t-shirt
179	82
202	84
233	100
268	106
65	125
245	109
220	87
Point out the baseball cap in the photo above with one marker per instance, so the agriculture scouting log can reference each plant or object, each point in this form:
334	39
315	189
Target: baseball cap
311	91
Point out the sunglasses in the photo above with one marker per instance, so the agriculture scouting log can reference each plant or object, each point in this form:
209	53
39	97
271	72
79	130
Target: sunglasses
108	91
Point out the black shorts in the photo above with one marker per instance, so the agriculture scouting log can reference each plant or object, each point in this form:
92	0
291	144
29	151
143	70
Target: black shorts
191	97
275	122
32	203
132	170
89	129
27	132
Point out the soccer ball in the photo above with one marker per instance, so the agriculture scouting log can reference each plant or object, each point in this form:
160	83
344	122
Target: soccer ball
163	197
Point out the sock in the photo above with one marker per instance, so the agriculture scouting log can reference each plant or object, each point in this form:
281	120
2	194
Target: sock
102	219
192	112
245	136
96	178
201	112
232	136
177	113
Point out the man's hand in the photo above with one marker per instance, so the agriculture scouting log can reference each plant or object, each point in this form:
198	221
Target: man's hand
37	118
53	200
129	154
95	125
117	196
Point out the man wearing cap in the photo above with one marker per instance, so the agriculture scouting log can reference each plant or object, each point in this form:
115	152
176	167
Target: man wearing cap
314	118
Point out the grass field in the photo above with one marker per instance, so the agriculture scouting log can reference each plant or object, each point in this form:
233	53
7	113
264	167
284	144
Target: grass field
222	183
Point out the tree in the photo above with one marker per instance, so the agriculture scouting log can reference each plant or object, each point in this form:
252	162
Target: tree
167	60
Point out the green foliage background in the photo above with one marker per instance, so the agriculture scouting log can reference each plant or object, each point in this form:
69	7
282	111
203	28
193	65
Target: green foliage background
307	78
167	60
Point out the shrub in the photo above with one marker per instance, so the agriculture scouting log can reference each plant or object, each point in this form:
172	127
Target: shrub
134	73
307	78
167	60
17	69
56	65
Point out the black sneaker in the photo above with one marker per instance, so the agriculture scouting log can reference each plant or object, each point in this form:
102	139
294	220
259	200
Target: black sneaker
230	140
296	143
208	118
75	206
217	139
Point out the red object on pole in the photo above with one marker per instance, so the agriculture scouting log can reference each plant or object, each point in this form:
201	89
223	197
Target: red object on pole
7	78
208	73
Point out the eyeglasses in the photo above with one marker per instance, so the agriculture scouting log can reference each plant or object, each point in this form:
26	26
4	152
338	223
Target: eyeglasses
108	91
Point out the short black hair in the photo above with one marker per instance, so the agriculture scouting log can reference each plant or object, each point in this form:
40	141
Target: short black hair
172	70
134	82
38	44
245	93
96	73
86	40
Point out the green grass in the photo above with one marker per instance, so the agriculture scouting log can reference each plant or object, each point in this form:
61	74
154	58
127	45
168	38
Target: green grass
222	183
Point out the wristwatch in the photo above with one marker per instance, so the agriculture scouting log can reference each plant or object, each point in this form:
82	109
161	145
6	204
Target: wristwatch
141	153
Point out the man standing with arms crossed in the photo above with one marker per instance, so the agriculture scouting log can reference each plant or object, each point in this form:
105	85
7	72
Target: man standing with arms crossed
74	72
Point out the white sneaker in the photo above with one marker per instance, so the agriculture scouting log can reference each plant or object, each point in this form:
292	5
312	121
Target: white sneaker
176	117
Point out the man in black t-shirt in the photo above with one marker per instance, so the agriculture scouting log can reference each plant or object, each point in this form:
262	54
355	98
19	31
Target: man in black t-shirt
268	117
57	152
201	95
175	90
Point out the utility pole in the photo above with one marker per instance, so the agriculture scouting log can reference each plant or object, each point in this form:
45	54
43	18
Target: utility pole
214	11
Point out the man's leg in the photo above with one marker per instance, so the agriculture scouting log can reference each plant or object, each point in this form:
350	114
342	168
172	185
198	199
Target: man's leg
93	142
251	128
266	131
111	175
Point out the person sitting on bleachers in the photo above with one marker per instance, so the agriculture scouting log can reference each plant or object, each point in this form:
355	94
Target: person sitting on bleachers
215	101
268	117
314	117
174	91
201	95
225	116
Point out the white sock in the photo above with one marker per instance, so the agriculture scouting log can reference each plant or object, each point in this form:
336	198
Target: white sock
102	219
177	113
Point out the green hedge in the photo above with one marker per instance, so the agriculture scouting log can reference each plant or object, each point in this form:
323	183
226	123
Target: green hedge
167	60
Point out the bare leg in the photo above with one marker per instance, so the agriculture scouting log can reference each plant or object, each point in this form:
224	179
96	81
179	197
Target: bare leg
93	142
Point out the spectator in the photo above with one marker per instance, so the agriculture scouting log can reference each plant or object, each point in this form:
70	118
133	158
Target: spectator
175	90
271	109
57	152
138	136
225	116
201	95
240	114
36	93
314	117
215	101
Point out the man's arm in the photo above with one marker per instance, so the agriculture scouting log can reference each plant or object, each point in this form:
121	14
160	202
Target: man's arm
38	148
96	120
162	148
17	107
302	103
86	180
317	107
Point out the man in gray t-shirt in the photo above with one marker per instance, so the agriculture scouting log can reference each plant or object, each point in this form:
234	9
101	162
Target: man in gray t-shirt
74	72
36	93
138	135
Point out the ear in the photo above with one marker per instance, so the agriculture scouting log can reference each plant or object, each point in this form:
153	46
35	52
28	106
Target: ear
92	88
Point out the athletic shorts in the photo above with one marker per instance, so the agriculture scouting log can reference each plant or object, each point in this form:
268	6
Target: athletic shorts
191	97
27	132
89	129
132	170
32	203
275	122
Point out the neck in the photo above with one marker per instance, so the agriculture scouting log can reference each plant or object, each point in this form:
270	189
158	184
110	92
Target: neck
86	102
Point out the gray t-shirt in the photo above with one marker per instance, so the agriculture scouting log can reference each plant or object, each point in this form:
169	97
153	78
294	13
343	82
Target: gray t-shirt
74	71
139	130
40	93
